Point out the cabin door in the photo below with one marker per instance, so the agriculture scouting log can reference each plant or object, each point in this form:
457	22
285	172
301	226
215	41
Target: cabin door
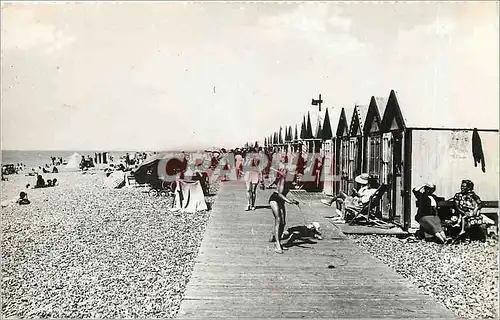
327	172
344	169
397	187
386	174
353	162
337	166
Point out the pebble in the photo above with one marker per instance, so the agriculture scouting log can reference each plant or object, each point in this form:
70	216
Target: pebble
463	277
80	250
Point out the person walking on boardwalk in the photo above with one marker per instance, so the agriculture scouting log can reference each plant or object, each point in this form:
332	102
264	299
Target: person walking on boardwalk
277	203
253	176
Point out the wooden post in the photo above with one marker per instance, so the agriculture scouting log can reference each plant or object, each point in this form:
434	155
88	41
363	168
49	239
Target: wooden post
407	171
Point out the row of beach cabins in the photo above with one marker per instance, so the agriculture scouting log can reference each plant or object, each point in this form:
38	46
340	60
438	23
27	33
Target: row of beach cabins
405	144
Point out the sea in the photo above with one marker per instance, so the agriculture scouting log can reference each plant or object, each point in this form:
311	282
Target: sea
34	159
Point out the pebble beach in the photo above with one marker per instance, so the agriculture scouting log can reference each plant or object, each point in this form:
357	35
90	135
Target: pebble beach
463	277
81	250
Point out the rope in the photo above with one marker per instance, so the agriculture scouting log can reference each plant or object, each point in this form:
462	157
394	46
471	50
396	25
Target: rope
302	213
341	257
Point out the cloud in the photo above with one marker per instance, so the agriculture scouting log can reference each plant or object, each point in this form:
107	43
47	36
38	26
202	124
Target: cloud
314	24
21	31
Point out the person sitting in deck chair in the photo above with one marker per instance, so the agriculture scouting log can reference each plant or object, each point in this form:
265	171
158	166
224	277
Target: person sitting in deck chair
360	197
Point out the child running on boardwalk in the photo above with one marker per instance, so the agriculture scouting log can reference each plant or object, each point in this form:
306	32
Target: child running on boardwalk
277	202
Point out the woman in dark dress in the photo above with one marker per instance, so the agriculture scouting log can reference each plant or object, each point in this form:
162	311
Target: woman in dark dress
427	215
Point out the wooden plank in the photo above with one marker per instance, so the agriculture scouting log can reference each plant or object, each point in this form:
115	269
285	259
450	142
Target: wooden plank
238	274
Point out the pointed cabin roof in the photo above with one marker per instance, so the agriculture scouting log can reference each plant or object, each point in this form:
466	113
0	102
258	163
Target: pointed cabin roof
376	110
358	120
426	111
327	132
343	121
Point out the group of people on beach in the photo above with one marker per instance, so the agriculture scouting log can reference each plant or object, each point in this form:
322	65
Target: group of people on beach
249	167
466	203
467	218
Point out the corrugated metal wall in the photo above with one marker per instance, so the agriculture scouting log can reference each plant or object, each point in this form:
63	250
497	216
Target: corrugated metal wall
445	158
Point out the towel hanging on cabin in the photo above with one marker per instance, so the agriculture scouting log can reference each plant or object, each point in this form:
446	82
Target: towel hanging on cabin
477	150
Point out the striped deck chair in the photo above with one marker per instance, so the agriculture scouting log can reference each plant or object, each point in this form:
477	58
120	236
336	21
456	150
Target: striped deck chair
367	215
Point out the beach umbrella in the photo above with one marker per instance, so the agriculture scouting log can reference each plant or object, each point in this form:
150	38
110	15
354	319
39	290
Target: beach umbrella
296	137
290	133
173	166
280	137
309	133
327	128
265	142
256	145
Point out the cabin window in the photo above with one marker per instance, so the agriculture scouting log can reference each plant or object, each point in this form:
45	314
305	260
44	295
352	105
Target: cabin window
374	151
385	159
353	157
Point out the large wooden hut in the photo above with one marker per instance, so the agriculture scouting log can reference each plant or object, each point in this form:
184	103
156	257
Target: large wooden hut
381	159
434	141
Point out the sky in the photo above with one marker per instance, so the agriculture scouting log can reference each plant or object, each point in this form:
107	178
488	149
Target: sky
169	76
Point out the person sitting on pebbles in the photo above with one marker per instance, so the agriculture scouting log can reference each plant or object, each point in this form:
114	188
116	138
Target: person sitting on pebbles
22	200
468	204
427	216
40	182
369	185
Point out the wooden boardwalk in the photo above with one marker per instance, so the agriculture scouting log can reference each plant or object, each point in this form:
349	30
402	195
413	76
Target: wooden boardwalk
237	273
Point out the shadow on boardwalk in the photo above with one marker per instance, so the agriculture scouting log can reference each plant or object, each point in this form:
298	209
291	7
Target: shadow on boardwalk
237	273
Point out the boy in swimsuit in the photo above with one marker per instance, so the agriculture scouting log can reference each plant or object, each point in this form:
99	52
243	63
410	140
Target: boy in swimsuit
277	202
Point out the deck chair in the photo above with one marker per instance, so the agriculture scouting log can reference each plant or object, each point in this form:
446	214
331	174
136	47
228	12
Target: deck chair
365	215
